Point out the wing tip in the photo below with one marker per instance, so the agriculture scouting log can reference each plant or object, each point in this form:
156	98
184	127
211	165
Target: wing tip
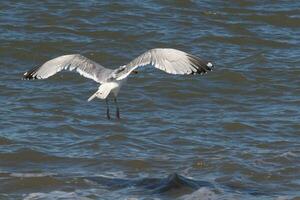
210	66
201	66
27	76
30	75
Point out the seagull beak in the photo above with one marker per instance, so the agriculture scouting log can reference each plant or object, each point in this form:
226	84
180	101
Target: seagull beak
134	72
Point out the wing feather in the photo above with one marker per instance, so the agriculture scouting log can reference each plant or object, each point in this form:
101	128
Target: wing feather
77	62
172	61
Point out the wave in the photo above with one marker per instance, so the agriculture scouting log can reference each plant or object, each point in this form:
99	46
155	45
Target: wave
174	186
153	185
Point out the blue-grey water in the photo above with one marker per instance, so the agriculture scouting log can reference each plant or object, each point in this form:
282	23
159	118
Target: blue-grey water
231	134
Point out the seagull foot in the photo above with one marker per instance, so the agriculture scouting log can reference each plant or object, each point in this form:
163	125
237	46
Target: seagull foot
118	114
107	114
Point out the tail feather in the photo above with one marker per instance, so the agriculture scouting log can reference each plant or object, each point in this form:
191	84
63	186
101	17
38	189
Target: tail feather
92	97
103	91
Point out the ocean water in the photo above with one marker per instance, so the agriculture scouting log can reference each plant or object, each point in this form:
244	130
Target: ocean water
231	134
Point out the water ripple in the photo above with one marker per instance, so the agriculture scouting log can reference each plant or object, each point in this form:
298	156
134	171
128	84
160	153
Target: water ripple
236	128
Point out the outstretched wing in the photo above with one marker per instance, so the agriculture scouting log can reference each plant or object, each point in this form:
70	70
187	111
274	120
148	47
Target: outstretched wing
169	60
81	64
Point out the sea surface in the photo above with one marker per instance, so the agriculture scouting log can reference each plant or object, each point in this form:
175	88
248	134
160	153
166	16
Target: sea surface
231	134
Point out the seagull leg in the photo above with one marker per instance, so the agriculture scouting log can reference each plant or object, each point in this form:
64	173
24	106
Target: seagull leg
117	108
107	109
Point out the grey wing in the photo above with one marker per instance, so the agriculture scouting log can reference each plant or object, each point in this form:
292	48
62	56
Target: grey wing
172	61
81	64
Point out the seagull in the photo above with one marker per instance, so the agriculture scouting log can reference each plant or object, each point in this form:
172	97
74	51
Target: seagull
172	61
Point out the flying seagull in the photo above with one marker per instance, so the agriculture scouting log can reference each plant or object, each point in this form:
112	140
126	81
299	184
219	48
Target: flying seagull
172	61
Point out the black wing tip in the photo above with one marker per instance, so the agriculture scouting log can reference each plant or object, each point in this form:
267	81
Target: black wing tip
29	75
210	66
201	66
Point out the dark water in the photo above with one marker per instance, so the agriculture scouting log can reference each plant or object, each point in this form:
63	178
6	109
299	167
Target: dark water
232	134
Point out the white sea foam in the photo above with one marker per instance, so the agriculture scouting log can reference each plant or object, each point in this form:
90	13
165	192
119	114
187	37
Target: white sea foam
283	198
70	195
57	195
289	154
208	194
31	175
84	195
201	194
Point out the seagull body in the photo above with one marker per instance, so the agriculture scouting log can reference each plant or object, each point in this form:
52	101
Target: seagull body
171	61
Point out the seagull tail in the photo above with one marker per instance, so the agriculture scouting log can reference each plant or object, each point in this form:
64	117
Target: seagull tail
99	94
92	97
103	91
